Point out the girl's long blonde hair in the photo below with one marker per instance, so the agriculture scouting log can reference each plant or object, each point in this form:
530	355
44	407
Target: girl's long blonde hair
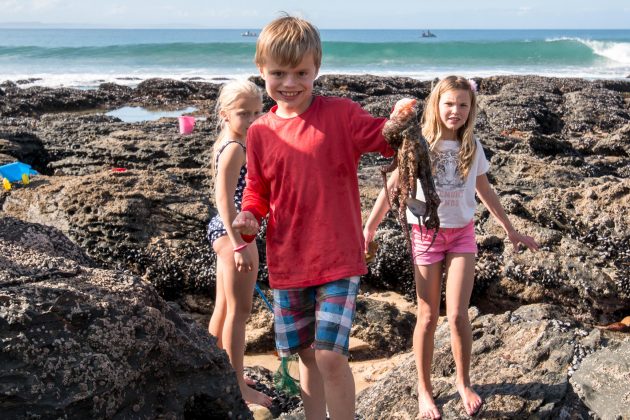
432	125
228	95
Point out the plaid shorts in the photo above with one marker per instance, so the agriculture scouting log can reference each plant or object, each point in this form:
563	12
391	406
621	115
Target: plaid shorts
319	317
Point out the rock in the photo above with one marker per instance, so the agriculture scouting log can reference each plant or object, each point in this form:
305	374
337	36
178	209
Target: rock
83	342
150	223
519	367
603	381
260	413
548	140
382	327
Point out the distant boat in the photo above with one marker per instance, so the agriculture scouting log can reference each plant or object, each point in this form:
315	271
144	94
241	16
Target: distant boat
249	33
428	34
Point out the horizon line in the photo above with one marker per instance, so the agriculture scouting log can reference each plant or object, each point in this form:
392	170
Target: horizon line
40	25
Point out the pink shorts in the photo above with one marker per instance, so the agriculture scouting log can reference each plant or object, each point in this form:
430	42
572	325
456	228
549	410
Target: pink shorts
448	240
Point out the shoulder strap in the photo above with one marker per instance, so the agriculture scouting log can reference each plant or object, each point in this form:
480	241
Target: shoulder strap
226	144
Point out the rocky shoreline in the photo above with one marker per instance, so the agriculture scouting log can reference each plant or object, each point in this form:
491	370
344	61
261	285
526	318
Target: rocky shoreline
81	234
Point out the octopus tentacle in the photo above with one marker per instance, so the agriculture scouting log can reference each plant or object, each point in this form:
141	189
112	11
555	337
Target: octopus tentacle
414	163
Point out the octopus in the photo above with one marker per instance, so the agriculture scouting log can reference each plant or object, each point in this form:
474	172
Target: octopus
413	162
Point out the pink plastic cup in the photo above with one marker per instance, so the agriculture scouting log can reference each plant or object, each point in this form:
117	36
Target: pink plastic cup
186	124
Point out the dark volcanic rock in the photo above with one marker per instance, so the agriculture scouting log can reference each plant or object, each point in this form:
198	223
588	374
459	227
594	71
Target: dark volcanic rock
151	223
81	342
554	145
521	362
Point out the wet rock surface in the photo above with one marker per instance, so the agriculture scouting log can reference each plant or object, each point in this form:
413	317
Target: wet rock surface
560	161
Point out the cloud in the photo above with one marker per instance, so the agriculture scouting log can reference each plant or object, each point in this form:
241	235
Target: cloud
117	10
11	5
44	4
524	10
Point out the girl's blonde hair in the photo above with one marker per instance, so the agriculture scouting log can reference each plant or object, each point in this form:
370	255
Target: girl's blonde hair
432	125
228	95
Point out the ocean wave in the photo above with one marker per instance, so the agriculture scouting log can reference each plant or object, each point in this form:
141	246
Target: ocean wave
618	52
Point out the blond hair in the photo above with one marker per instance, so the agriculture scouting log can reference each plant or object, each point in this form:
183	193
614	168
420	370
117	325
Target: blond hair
287	40
432	125
228	95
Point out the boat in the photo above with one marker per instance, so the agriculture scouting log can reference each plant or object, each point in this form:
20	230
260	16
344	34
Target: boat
249	33
428	34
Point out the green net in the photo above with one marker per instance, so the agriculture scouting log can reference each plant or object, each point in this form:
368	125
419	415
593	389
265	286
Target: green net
282	379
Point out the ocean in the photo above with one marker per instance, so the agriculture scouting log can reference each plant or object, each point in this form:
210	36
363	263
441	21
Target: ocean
85	58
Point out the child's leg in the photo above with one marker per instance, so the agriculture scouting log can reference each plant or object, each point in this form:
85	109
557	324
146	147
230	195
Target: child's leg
334	312
215	326
239	289
338	383
428	292
294	324
460	278
311	385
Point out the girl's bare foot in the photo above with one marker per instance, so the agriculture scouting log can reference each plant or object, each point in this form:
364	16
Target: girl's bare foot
251	396
471	400
426	406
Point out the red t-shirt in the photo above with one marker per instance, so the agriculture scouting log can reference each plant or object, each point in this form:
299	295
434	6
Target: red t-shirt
302	171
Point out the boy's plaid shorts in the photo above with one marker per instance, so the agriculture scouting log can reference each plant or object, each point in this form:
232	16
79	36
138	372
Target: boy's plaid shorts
319	316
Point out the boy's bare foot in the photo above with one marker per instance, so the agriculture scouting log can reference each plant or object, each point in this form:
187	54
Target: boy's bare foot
471	400
251	396
426	406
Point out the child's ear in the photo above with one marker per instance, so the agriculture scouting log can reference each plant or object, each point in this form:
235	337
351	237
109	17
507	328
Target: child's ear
224	115
262	73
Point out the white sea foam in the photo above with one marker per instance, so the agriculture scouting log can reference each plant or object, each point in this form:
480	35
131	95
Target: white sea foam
617	52
93	80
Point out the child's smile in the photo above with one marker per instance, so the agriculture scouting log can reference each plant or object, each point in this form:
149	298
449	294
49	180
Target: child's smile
291	87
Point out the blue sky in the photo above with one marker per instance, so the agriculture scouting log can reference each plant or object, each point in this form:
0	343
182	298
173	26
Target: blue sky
325	14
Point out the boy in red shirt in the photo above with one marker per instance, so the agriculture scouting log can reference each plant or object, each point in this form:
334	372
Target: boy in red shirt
302	160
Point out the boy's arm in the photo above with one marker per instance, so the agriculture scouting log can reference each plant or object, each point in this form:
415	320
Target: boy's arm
493	204
368	130
255	203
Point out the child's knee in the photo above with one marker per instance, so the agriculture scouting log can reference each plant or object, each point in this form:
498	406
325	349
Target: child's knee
458	320
330	362
427	320
307	356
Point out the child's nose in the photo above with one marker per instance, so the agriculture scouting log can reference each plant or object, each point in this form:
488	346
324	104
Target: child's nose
290	80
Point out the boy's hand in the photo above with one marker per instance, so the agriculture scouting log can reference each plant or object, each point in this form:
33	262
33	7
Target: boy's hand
402	116
245	223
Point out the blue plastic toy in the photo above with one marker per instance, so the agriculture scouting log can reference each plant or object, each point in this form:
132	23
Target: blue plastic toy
15	172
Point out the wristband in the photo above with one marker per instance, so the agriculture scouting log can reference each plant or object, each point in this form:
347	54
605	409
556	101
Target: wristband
240	247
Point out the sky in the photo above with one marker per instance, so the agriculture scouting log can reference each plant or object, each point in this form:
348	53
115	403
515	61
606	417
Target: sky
325	14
